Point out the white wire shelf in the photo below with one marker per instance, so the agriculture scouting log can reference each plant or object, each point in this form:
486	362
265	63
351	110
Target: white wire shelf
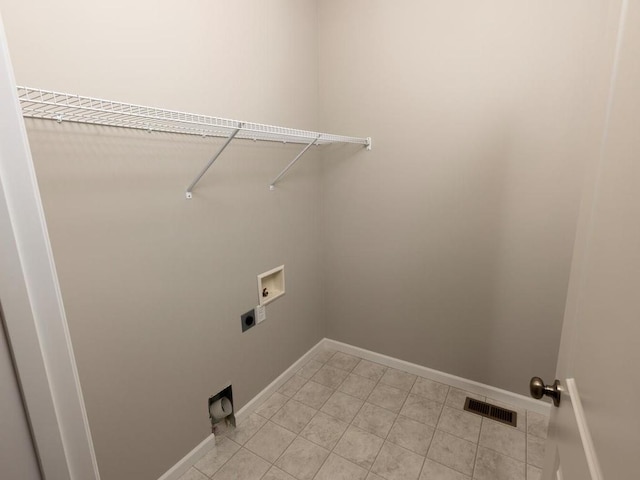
47	104
66	107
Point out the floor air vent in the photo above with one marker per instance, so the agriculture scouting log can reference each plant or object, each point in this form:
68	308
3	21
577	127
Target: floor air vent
491	411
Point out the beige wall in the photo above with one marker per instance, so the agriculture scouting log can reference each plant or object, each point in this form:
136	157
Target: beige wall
449	243
154	284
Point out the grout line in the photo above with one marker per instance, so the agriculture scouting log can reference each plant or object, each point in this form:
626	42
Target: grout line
200	471
343	433
349	424
364	401
526	450
475	458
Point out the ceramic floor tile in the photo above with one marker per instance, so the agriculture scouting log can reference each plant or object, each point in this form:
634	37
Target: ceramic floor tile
270	441
302	459
357	386
533	473
460	423
309	369
397	463
430	389
491	465
294	416
373	476
422	409
411	435
223	429
324	430
313	394
330	376
535	451
193	474
522	413
372	371
452	452
337	468
292	385
359	447
398	379
343	361
342	406
435	471
537	424
215	458
388	397
247	429
374	419
245	465
272	405
456	398
422	404
503	439
275	473
324	355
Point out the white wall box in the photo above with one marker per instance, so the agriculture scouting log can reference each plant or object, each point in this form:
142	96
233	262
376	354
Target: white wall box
271	285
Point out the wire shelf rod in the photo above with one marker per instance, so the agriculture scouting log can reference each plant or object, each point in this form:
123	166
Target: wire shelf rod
293	162
51	105
41	103
213	159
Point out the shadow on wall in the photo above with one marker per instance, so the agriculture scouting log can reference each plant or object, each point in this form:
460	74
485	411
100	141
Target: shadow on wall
154	284
417	254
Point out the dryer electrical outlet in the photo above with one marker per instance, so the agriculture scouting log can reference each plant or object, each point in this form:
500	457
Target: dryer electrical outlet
248	320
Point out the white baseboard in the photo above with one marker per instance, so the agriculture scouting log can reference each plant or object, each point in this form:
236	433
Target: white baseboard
498	394
494	393
190	459
270	389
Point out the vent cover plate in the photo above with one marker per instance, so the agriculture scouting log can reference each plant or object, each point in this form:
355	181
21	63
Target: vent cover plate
493	412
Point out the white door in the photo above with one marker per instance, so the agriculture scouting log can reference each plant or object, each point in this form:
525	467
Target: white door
595	433
33	313
17	455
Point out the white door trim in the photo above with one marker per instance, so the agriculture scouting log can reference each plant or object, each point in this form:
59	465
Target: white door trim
583	428
33	309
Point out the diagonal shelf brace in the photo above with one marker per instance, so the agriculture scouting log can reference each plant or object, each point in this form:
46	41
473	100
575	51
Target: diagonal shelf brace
292	163
213	159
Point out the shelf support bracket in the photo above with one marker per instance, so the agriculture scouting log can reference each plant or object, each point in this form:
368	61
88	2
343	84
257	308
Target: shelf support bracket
231	136
292	163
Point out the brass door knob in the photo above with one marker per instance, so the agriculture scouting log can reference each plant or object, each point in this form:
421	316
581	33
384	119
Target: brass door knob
538	390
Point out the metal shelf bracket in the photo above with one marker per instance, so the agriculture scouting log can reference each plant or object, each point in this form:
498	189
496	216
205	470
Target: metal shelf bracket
272	186
231	136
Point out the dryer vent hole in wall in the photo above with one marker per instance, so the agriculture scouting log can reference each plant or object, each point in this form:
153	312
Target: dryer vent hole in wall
221	412
491	411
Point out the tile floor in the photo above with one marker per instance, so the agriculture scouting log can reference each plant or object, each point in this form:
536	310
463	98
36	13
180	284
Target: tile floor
344	418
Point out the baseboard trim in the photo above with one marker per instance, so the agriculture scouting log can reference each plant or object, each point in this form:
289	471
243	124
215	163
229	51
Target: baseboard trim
270	389
498	394
190	459
494	393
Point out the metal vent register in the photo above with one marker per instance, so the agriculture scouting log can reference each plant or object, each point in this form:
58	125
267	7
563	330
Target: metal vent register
491	411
